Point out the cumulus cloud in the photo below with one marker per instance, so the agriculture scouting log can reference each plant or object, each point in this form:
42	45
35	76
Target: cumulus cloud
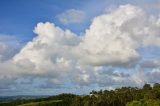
71	16
59	58
49	50
113	39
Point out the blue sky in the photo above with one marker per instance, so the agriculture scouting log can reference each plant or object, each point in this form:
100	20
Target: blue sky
20	16
39	55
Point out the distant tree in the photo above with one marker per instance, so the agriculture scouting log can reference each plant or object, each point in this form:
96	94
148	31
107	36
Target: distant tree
77	101
147	87
93	92
156	86
156	89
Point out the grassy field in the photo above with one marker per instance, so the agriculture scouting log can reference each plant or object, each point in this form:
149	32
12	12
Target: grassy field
42	103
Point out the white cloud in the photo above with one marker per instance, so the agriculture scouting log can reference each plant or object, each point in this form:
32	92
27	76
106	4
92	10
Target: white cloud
71	16
49	51
113	39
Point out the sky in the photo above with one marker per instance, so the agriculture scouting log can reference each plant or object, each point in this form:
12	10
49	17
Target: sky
75	46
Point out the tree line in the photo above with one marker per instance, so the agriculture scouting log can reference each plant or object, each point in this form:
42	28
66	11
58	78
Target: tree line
121	97
125	96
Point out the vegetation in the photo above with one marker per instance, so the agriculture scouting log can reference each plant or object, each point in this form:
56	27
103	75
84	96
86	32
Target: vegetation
125	96
144	103
43	103
59	100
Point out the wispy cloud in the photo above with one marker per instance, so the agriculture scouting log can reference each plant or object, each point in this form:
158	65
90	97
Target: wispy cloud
71	16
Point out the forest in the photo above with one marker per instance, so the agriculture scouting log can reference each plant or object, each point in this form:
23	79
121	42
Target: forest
125	96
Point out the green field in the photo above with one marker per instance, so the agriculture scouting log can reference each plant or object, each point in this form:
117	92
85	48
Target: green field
42	103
